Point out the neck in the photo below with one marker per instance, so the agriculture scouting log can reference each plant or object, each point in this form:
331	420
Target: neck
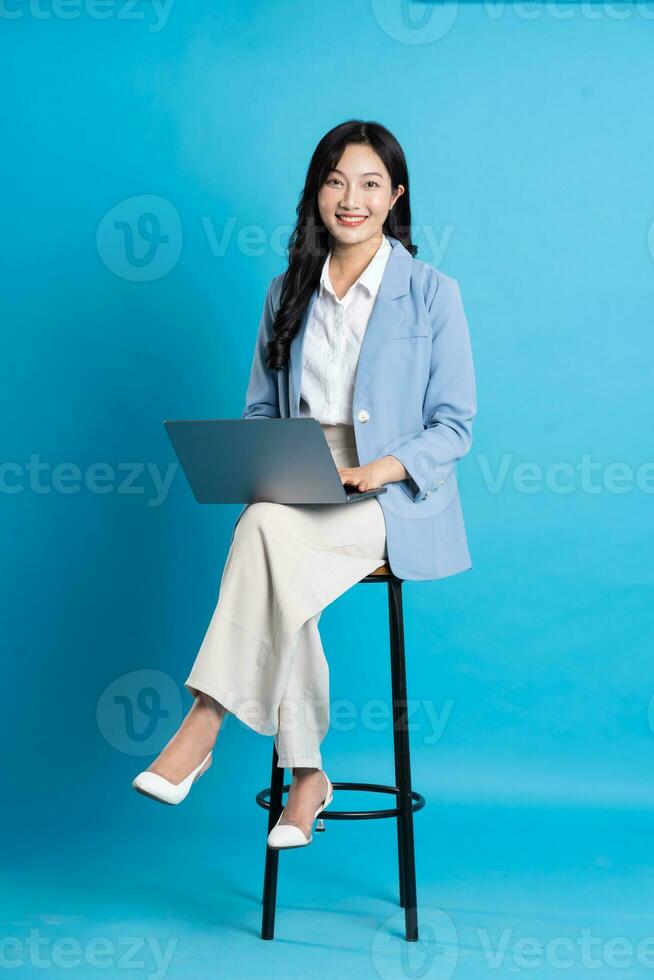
351	260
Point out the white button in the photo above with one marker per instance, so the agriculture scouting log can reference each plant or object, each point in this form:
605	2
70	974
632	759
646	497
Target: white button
362	415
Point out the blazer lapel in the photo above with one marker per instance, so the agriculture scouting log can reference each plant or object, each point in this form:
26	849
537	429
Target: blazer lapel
385	322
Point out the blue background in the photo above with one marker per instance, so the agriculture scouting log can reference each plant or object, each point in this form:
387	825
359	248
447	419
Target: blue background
529	141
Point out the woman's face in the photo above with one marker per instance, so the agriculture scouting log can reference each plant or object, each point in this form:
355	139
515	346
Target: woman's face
358	188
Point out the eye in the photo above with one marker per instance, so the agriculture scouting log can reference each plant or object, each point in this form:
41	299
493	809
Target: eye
373	182
331	179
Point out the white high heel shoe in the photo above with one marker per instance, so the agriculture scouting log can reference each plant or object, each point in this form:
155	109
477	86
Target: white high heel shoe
155	786
288	835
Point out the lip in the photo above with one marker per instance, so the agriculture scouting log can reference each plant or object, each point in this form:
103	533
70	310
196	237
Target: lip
351	221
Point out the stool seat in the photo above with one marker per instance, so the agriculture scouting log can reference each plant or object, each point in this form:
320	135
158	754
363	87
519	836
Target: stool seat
407	801
381	574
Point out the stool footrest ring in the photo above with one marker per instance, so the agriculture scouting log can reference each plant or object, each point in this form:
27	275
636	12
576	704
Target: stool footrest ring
263	800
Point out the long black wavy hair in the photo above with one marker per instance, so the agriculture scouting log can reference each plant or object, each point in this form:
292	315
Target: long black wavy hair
309	241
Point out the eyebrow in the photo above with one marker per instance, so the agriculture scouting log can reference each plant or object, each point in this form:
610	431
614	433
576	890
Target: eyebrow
369	173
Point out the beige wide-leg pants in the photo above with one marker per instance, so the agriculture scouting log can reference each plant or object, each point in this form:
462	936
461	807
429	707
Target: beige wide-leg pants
262	656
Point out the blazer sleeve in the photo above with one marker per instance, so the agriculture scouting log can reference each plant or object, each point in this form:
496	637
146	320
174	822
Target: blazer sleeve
262	395
450	402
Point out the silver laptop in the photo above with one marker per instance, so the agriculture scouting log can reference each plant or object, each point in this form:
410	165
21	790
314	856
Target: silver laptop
236	461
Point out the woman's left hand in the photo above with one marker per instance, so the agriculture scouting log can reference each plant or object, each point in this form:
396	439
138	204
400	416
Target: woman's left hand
373	475
368	477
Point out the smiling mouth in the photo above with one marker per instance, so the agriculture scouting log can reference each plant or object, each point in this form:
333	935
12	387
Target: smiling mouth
351	221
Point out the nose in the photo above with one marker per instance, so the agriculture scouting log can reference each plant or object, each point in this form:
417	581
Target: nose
350	201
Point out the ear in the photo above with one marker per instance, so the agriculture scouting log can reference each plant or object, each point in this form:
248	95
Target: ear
399	190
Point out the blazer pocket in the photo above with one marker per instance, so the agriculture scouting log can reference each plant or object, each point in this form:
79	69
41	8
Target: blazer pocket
416	329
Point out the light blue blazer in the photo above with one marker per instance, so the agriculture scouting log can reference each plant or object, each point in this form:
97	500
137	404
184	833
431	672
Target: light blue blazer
414	398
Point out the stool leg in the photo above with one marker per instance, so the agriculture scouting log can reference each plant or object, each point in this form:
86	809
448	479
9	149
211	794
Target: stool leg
272	854
397	711
402	762
400	845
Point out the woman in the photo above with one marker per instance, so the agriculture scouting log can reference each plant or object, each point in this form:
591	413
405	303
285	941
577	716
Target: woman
374	343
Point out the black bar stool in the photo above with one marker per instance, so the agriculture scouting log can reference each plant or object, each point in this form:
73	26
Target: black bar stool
407	801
